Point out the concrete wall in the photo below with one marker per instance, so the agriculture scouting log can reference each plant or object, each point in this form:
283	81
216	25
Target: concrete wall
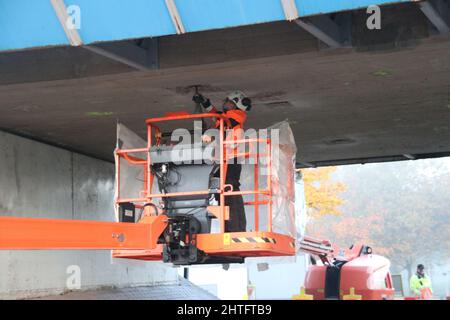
281	280
37	180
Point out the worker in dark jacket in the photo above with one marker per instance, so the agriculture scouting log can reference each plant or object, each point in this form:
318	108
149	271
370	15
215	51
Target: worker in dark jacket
235	108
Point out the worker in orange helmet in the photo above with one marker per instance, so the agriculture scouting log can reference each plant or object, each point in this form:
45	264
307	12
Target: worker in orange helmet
235	108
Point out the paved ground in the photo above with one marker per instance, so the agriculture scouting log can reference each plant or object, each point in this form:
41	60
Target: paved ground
183	291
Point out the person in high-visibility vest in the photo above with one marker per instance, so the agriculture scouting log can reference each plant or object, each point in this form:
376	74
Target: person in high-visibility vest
420	283
235	107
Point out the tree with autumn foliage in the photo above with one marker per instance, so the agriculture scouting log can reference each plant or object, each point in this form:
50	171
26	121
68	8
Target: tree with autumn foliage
400	209
322	194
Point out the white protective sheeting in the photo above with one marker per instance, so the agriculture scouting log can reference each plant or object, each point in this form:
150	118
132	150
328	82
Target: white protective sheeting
285	213
289	215
131	176
283	179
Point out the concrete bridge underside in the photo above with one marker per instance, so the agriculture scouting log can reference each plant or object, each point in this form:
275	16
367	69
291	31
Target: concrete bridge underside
382	95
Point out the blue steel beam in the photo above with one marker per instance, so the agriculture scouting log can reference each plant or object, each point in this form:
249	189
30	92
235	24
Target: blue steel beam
28	24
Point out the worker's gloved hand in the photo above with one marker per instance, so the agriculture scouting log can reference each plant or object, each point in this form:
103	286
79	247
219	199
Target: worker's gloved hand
198	98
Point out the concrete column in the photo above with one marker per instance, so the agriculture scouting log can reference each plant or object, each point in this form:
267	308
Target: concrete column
37	180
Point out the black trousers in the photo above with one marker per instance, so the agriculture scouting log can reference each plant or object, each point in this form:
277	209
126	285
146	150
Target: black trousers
237	222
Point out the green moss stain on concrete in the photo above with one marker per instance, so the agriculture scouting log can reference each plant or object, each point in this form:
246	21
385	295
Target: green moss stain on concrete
99	114
382	73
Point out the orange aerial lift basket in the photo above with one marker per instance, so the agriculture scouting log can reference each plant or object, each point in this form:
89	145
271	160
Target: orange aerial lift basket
157	222
192	242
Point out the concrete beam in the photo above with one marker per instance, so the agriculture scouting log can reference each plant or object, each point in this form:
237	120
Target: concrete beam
409	156
125	52
438	12
130	53
391	158
304	164
327	30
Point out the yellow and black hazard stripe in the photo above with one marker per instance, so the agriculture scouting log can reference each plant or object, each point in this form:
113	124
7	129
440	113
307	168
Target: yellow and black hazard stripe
253	240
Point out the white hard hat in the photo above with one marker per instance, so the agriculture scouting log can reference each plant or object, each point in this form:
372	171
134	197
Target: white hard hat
240	100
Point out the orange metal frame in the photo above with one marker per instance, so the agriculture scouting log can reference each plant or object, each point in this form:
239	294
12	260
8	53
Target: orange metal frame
221	243
35	233
139	240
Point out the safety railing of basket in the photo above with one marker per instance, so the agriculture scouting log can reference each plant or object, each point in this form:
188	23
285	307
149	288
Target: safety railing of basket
261	197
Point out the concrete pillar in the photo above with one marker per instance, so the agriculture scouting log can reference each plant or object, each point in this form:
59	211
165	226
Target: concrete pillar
37	180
